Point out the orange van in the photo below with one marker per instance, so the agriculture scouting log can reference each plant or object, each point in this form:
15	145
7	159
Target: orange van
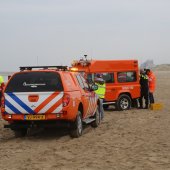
121	77
47	97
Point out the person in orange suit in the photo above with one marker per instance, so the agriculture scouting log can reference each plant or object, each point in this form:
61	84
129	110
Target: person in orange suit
152	84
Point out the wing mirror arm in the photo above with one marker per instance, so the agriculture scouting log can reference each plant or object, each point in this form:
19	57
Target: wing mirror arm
93	87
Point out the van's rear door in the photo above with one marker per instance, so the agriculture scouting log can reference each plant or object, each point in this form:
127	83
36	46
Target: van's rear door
34	92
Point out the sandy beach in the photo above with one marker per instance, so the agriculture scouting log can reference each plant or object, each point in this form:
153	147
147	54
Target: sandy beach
128	140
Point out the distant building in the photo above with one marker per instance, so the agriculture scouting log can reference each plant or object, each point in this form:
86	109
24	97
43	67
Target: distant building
148	64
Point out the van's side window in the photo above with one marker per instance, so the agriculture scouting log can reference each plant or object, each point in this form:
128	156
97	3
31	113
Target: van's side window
108	77
129	76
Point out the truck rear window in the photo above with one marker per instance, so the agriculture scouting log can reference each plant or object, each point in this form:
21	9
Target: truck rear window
35	82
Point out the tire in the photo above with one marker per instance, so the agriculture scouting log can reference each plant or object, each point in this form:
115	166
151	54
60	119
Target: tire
20	133
97	117
77	126
124	102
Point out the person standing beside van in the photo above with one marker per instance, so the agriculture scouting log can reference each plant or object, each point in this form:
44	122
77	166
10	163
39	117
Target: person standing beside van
99	81
144	90
152	84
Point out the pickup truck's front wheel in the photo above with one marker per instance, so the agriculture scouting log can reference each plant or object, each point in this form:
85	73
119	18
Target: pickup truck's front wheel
77	126
97	117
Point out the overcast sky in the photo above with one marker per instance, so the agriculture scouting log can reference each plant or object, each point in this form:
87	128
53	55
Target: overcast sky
55	32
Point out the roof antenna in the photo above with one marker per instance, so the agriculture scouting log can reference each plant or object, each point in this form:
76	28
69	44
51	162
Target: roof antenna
85	56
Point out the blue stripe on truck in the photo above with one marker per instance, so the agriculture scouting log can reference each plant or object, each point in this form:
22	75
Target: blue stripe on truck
14	109
21	103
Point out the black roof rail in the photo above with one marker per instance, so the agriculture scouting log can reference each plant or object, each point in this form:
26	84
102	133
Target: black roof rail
64	68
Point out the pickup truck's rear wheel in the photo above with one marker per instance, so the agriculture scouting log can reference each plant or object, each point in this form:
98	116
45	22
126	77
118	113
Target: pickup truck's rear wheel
123	102
20	132
77	126
97	117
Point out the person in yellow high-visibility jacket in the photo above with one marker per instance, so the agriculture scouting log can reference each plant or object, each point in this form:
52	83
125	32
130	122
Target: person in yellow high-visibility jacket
100	92
1	80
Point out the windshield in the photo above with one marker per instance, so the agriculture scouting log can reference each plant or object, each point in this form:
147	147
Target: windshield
35	82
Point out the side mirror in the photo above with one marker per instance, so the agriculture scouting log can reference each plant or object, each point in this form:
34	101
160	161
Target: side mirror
94	87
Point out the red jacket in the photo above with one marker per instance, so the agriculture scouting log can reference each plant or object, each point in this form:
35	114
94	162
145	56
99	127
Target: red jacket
152	81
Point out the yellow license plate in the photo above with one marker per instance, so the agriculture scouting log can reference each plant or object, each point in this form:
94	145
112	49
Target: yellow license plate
34	117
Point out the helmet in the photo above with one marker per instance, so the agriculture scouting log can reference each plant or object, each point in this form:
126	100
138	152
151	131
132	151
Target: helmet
98	75
99	80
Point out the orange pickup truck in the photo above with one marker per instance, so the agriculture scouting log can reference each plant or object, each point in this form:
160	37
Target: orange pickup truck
48	96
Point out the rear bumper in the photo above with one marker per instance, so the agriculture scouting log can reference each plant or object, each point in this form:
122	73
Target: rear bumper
37	124
22	117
